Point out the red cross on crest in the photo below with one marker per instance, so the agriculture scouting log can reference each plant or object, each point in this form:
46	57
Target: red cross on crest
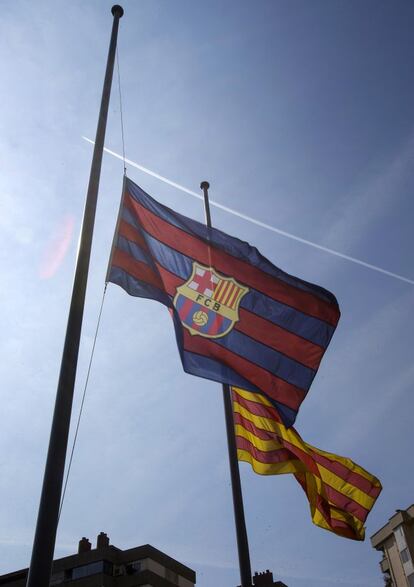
208	302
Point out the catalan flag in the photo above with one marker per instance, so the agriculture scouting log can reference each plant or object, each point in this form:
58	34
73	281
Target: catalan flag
238	318
340	492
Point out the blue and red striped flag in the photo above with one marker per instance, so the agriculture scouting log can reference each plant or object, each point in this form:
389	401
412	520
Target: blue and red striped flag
238	319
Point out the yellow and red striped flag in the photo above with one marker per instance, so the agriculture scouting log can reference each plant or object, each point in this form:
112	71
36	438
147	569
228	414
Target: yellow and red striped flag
340	492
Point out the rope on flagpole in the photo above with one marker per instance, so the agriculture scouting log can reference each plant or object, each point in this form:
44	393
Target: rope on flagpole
121	110
100	310
82	404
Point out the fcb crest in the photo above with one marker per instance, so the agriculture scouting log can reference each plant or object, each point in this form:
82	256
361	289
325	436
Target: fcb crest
208	303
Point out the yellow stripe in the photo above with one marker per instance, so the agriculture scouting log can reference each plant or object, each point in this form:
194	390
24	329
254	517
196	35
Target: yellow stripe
216	288
269	469
348	463
346	488
233	298
319	520
334	512
268	424
265	445
356	525
217	291
224	291
253	397
229	292
337	514
293	438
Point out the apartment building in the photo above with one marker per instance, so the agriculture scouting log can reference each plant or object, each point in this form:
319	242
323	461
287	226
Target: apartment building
396	542
109	566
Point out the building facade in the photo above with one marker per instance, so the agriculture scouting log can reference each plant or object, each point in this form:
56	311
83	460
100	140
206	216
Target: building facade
396	542
109	566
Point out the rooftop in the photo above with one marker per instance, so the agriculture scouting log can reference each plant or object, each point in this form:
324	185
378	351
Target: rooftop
122	561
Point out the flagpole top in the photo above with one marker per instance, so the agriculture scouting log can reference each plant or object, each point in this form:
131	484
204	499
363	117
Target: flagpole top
117	10
204	185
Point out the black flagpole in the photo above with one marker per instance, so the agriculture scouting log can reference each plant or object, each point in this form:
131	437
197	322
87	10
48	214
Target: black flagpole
242	542
47	520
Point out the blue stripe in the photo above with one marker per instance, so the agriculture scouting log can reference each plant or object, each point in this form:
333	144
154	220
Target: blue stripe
180	303
231	245
279	365
130	218
293	321
287	414
209	369
135	251
305	326
137	288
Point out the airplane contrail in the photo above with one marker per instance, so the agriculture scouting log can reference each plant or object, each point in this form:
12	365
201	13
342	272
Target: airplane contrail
254	221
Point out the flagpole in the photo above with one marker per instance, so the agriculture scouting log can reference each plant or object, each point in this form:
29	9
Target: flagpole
47	520
241	532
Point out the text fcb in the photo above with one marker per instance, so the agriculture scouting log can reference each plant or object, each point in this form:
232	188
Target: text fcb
208	302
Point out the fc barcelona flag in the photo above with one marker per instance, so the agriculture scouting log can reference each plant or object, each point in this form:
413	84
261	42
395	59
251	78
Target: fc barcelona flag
238	319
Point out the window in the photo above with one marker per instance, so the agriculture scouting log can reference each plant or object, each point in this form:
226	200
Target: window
92	569
133	568
171	576
411	580
405	555
57	578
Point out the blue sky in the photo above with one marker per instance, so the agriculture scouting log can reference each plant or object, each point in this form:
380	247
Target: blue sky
300	115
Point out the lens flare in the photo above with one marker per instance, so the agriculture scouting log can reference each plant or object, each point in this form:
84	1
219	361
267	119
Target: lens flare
57	247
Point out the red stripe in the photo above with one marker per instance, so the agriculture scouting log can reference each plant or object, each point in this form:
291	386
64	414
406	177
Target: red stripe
264	411
137	269
229	291
260	329
132	234
223	290
218	290
323	506
250	427
347	475
216	325
276	388
256	408
269	457
234	297
345	503
195	248
302	455
186	309
338	499
278	338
